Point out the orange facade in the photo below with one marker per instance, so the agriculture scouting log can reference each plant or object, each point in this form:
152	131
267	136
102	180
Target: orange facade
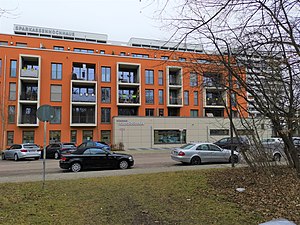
72	75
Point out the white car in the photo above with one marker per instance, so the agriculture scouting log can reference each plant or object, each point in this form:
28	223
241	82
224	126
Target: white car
274	147
197	153
22	151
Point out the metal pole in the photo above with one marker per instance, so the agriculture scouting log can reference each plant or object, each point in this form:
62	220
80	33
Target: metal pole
44	155
230	118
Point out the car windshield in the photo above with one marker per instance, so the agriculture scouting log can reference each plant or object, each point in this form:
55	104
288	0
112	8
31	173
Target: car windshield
187	146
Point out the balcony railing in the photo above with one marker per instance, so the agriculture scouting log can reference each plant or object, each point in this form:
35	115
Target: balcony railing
83	119
83	97
86	77
29	73
128	81
129	99
175	101
214	102
28	119
174	82
28	96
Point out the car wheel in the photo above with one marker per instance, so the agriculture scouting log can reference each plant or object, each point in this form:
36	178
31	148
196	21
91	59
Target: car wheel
123	164
234	159
3	157
76	167
56	155
16	157
195	160
277	157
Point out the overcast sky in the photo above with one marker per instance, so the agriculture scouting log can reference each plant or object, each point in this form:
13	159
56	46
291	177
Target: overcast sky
119	19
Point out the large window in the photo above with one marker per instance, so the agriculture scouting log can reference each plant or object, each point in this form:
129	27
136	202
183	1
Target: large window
149	96
55	95
54	136
28	137
193	80
160	77
169	136
12	91
105	95
13	68
57	115
105	74
186	97
196	98
83	114
56	71
160	97
10	138
218	132
105	115
87	135
11	113
73	136
149	77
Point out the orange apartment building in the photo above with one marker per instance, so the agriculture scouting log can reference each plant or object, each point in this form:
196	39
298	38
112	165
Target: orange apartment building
91	81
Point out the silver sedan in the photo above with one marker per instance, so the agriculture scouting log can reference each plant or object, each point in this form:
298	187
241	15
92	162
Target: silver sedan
22	151
197	153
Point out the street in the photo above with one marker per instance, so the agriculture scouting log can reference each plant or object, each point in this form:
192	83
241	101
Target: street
145	162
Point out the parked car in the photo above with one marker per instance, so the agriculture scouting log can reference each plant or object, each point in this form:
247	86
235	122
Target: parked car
274	147
95	157
197	153
21	151
55	150
236	142
94	144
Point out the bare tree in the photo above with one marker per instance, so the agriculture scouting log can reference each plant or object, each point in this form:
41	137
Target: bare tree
257	36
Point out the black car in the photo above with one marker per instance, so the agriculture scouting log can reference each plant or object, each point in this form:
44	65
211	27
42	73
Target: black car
94	158
236	143
55	150
94	144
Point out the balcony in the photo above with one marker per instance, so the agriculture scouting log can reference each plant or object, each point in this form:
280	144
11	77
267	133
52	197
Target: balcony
214	102
83	119
83	97
28	96
130	100
28	119
29	73
175	101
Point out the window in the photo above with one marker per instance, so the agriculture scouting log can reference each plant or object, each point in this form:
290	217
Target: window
105	74
20	44
105	95
160	77
28	137
102	52
186	97
140	55
149	77
164	57
55	95
11	113
161	112
83	114
181	59
56	71
105	136
83	50
196	98
160	97
13	68
12	91
194	113
149	112
57	115
122	53
219	132
73	136
87	135
58	48
105	115
193	80
149	96
169	136
54	136
10	138
3	43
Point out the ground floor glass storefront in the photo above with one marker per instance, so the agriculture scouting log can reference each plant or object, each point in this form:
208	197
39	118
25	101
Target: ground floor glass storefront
169	136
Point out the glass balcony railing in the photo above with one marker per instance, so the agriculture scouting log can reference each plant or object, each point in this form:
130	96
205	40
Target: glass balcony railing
85	119
28	119
29	73
214	102
28	96
130	100
83	97
175	101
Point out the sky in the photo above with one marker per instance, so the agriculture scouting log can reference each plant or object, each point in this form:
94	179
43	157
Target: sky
119	19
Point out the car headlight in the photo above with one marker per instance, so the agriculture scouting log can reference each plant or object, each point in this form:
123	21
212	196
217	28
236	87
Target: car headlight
130	158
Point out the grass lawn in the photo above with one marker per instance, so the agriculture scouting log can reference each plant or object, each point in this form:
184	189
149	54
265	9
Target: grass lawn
166	198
